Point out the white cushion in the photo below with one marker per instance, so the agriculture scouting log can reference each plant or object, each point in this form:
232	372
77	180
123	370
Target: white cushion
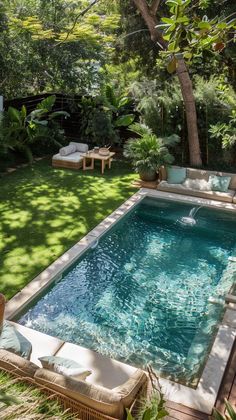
106	372
65	367
197	184
181	189
73	157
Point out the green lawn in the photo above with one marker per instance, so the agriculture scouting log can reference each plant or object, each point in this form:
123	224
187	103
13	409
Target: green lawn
44	211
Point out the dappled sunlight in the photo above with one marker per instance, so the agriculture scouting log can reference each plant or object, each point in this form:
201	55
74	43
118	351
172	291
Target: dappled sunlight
45	211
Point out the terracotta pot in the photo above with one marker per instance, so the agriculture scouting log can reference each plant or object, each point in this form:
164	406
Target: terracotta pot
148	175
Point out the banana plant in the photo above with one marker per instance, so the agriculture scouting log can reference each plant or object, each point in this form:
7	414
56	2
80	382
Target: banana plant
120	106
19	130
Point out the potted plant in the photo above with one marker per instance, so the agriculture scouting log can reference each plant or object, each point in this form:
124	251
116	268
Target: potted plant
148	152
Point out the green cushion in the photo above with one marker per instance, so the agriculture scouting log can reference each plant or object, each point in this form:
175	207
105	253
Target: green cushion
219	183
176	175
65	366
13	341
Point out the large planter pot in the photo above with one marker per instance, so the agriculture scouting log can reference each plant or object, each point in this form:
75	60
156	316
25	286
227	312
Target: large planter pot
148	175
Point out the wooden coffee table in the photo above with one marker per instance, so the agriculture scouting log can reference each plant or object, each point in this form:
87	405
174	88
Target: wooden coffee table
92	156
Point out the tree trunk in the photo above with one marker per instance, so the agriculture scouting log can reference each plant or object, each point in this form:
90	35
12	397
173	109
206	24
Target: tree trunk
184	79
191	113
2	309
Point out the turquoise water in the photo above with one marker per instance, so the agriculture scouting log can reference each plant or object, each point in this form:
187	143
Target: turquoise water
150	292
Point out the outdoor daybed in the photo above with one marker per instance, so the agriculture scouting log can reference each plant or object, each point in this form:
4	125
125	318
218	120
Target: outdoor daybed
105	394
70	156
196	183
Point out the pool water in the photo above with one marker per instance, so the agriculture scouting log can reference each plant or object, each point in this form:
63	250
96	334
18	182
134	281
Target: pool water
150	292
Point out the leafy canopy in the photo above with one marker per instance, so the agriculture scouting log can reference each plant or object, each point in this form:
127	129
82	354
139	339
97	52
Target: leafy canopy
188	31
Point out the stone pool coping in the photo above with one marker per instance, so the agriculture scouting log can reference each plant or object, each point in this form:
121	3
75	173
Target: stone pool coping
204	396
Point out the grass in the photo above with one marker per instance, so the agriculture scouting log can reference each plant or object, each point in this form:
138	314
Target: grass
44	211
27	402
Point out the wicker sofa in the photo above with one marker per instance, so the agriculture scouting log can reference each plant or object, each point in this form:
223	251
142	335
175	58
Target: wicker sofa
199	174
107	392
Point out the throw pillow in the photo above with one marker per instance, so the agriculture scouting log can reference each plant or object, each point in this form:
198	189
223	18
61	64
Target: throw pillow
65	367
197	184
13	341
67	150
219	183
176	175
80	147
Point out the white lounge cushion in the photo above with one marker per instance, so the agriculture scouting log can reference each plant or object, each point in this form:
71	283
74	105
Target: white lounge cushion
200	174
181	189
109	402
197	184
41	343
106	372
74	157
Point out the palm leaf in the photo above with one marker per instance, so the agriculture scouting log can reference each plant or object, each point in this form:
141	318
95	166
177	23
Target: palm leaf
14	115
140	129
124	120
110	96
47	103
230	410
58	114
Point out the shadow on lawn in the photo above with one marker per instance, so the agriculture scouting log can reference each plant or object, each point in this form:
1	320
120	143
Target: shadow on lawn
44	211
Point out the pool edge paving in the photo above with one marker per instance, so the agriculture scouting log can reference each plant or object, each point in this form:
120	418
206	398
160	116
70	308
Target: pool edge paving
204	396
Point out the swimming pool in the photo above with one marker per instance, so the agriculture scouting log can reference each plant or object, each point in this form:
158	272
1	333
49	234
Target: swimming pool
150	291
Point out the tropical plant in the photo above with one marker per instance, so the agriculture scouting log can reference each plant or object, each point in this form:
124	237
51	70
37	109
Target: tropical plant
19	130
230	413
152	408
120	106
95	122
148	152
225	131
160	105
102	116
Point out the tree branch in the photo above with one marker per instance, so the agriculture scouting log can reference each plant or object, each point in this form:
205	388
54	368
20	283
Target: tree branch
151	22
155	6
76	20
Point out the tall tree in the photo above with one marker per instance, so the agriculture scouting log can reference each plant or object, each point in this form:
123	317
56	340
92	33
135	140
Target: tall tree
56	45
149	14
184	35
